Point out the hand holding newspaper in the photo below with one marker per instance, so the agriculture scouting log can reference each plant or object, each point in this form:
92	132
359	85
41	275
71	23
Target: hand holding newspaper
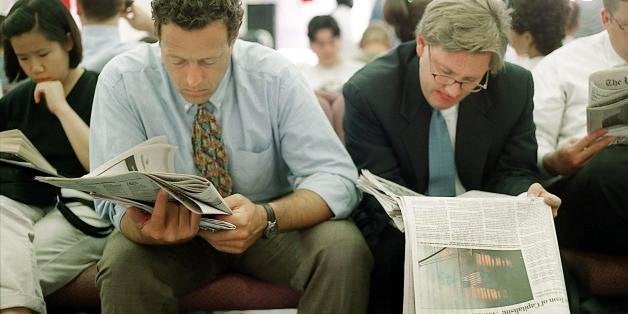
134	177
608	102
477	253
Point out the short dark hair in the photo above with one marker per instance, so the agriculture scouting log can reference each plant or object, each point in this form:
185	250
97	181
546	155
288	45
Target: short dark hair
404	16
547	28
348	3
101	9
50	18
322	22
195	14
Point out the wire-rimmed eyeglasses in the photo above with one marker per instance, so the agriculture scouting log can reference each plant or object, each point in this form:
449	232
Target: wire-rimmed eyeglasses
447	80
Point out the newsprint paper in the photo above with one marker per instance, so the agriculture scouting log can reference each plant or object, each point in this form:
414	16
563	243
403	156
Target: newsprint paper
477	253
608	102
134	177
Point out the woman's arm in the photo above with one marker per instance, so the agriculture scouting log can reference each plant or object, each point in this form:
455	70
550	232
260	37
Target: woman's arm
74	127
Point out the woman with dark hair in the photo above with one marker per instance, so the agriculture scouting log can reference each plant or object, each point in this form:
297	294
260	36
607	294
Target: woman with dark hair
538	28
41	250
404	16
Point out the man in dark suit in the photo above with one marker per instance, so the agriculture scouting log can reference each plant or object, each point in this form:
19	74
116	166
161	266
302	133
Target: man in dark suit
453	73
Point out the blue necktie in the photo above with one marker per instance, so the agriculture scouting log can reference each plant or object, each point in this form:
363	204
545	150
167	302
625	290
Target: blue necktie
442	167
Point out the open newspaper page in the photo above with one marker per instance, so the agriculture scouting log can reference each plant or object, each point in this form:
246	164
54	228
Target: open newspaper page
608	102
134	177
17	149
479	252
387	193
482	255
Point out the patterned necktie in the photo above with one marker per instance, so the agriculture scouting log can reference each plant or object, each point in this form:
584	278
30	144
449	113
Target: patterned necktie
210	156
442	167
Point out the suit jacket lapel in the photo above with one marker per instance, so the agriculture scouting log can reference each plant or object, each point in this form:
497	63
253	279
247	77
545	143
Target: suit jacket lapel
473	139
415	113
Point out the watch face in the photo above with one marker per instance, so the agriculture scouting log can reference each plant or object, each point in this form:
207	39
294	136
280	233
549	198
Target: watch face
271	230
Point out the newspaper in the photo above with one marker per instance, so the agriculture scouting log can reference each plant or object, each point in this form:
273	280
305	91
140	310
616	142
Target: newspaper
134	177
477	253
16	149
608	102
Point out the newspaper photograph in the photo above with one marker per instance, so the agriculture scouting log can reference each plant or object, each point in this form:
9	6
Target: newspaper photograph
608	102
482	255
134	177
479	252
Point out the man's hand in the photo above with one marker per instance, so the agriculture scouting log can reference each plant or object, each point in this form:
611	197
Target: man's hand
169	223
537	190
250	222
572	155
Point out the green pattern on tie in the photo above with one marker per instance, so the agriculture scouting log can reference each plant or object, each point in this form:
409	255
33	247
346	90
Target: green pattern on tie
210	156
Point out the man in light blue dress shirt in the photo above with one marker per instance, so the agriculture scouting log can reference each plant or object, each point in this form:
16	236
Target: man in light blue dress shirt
284	159
101	33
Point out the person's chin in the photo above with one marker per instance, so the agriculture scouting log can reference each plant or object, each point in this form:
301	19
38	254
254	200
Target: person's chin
195	98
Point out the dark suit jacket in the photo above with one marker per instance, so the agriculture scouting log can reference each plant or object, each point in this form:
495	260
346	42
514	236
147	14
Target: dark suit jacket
387	121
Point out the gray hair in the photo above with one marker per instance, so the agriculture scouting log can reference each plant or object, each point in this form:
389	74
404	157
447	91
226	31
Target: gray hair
468	25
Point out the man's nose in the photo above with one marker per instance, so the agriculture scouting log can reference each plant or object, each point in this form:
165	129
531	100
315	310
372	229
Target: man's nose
454	90
194	75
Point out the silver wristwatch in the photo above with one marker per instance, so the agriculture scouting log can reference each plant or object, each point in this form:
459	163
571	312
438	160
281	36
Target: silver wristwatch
271	223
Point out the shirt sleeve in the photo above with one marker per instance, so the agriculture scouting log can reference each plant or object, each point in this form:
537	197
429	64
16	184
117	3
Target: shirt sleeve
313	152
115	127
549	106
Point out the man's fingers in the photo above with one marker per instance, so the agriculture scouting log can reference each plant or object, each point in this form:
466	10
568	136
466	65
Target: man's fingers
138	216
535	189
590	139
160	208
551	199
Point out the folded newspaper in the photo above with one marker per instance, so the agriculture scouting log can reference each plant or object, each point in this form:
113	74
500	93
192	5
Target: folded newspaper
608	102
477	253
134	177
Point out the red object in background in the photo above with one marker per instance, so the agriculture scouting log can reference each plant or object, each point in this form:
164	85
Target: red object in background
66	3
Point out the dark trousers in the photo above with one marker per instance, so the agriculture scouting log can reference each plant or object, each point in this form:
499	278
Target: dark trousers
386	294
594	212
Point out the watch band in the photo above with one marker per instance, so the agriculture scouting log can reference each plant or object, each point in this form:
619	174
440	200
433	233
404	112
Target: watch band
270	213
271	222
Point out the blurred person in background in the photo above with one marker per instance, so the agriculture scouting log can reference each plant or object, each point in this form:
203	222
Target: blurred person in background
404	16
535	35
332	70
376	41
101	33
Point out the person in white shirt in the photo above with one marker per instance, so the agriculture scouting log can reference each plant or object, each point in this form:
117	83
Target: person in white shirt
332	71
587	173
100	33
534	35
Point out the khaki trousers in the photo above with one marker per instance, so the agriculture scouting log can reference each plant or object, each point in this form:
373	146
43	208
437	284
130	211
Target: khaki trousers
330	263
40	251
